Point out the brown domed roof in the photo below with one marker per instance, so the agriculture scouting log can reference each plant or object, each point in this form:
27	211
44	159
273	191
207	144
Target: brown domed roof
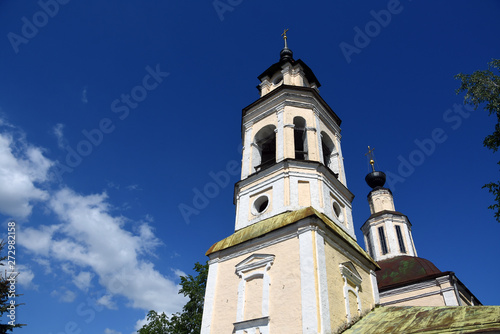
403	269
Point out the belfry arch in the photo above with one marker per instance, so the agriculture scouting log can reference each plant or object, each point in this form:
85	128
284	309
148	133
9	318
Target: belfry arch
330	153
264	148
300	138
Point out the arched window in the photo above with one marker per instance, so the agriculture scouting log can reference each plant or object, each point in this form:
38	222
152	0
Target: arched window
330	154
264	148
328	147
300	138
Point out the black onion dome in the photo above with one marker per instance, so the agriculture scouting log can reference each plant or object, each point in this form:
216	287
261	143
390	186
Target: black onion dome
375	179
286	54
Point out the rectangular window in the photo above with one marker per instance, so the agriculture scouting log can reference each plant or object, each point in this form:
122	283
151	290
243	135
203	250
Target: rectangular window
383	244
402	247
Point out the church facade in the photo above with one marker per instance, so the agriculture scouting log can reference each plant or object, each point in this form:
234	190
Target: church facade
293	264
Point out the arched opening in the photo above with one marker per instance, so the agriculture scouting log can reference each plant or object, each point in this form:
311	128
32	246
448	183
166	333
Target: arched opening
328	148
330	153
264	148
300	138
278	80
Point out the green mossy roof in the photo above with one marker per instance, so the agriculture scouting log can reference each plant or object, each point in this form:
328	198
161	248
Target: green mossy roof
429	320
402	269
268	225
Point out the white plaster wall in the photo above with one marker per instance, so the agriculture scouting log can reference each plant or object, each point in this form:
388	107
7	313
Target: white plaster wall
307	282
209	298
324	303
247	151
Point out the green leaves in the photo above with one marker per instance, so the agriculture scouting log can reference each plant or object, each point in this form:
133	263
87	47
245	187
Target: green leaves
4	296
189	321
482	88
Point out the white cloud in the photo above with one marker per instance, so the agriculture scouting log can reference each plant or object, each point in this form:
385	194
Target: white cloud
58	131
25	277
111	331
148	240
141	322
179	273
21	166
91	238
86	240
84	95
65	296
107	301
38	240
133	187
83	280
112	185
45	263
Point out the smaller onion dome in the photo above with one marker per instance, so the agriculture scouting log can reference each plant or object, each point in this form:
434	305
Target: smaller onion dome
375	179
286	54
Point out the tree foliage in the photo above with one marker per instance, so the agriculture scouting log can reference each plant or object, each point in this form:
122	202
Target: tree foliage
6	295
482	89
189	320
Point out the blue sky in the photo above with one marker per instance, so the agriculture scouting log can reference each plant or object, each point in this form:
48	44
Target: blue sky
113	114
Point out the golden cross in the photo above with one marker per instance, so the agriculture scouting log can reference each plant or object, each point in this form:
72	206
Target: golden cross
370	154
284	36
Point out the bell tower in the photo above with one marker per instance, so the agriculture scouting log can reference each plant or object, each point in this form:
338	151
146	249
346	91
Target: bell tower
292	156
292	264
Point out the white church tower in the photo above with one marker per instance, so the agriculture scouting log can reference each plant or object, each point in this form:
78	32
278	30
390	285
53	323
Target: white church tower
291	150
404	279
387	232
293	264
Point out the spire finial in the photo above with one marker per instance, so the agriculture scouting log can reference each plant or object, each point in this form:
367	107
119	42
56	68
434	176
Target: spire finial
286	53
375	179
284	37
370	154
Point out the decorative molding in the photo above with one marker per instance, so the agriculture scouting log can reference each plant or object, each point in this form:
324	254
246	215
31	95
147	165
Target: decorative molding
280	108
292	98
265	262
294	233
250	326
409	288
349	274
422	295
